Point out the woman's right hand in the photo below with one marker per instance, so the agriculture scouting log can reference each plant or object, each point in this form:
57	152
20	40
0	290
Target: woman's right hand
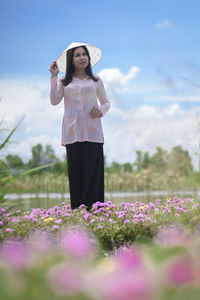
54	69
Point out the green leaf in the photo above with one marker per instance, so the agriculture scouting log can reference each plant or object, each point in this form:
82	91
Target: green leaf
10	134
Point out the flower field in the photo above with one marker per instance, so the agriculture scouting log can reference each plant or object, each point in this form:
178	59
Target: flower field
113	252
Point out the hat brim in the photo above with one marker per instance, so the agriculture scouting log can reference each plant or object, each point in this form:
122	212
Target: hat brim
94	52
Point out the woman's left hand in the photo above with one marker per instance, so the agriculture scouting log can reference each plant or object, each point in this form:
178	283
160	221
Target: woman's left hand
95	112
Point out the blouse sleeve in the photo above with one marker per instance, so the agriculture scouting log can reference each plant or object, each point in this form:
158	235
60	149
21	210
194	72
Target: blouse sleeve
57	91
101	94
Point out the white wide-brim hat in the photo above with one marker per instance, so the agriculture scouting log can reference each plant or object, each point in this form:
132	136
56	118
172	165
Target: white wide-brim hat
94	52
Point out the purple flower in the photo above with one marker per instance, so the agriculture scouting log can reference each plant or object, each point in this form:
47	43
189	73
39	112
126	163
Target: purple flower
59	221
78	243
92	221
183	271
87	216
126	221
102	219
158	201
14	220
65	279
55	227
82	206
152	205
176	215
1	223
135	220
8	229
14	254
100	227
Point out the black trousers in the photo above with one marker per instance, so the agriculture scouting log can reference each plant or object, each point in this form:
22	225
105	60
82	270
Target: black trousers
85	162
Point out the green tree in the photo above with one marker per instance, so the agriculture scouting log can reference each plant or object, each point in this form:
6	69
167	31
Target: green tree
41	155
180	161
127	167
14	162
114	167
142	161
159	160
60	167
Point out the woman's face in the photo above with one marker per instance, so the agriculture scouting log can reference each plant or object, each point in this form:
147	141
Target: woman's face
80	58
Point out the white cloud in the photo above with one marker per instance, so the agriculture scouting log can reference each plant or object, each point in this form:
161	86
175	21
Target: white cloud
146	127
180	99
164	24
117	82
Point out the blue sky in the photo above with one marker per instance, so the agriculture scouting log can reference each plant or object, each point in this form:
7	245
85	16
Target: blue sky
160	38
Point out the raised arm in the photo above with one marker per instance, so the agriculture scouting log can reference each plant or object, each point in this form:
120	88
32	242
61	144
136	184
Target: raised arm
57	90
101	94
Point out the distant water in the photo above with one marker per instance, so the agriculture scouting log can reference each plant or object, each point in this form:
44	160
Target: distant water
47	200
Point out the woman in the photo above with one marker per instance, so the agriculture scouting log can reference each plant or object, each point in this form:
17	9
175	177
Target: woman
82	133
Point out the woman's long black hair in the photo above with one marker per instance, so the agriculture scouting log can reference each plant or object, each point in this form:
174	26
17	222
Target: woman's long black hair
70	67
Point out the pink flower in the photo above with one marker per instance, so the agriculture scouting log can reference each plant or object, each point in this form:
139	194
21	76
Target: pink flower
174	235
1	223
55	227
135	220
8	230
14	220
176	215
87	216
129	258
125	285
102	219
59	221
151	205
100	227
126	221
82	206
14	254
92	221
183	271
65	279
77	242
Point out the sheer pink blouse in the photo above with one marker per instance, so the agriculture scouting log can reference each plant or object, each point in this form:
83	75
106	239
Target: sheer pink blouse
79	98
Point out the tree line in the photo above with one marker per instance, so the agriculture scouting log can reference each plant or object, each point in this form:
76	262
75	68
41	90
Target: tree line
177	160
